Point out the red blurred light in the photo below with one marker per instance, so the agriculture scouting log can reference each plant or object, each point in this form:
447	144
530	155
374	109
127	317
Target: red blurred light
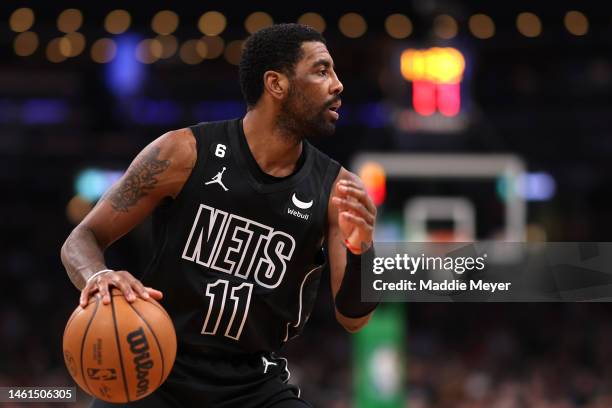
424	97
449	99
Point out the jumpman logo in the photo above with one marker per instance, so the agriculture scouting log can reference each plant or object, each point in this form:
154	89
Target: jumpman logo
217	179
266	363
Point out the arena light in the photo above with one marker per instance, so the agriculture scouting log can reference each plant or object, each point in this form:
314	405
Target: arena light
445	27
448	99
537	186
424	97
54	53
124	74
103	50
533	186
69	20
352	25
165	22
65	47
256	21
440	65
212	23
398	26
72	44
21	19
201	48
373	176
233	51
529	24
214	46
117	21
25	43
576	23
148	50
436	74
91	183
189	53
313	20
481	26
169	45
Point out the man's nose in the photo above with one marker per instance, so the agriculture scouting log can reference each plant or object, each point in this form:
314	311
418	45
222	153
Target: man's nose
337	86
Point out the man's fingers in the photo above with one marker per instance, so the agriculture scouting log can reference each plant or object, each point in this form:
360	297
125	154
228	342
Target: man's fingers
352	189
140	289
103	289
146	292
355	206
125	288
155	294
85	294
129	286
357	221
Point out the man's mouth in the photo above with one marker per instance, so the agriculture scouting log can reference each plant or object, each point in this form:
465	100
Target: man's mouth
334	114
333	109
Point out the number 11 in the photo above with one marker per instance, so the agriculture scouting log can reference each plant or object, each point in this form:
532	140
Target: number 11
217	294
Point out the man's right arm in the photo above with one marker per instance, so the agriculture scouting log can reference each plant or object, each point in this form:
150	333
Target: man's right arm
160	170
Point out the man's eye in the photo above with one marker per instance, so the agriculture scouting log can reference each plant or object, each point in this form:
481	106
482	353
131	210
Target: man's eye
323	72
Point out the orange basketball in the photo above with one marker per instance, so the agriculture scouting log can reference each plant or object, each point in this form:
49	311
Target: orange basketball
122	351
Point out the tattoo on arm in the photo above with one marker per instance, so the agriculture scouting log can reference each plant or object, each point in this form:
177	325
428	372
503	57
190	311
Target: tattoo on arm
138	181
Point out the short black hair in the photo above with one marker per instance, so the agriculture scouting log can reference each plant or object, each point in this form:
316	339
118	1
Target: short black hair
276	48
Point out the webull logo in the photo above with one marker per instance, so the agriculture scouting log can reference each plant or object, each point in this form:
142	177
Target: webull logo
298	214
139	346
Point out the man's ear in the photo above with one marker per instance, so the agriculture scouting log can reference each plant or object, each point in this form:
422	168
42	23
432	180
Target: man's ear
276	84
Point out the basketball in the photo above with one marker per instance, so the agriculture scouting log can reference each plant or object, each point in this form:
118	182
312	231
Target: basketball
122	351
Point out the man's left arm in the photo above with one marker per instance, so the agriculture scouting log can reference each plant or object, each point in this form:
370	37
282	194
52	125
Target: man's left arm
351	218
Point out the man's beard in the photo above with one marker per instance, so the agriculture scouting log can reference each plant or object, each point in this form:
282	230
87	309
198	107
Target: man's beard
300	117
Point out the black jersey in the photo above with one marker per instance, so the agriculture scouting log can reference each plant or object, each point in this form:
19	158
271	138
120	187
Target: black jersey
239	260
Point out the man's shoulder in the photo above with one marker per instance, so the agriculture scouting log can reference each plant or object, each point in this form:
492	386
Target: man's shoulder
178	145
176	138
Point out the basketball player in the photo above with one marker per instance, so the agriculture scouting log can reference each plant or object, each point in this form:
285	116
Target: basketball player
241	210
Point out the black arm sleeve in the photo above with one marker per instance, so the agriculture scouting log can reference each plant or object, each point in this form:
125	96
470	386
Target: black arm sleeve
348	298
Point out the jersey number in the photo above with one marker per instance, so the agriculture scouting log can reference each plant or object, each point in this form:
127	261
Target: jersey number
239	301
220	150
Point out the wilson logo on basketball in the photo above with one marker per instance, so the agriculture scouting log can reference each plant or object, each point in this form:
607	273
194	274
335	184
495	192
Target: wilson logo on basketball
139	346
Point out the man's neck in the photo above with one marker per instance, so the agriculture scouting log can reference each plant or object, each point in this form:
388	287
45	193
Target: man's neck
276	153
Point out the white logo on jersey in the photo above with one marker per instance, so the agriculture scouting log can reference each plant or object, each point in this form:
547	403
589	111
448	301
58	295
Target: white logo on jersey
301	204
267	363
298	214
239	246
217	179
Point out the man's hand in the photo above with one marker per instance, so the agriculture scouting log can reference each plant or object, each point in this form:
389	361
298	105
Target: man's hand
129	286
356	214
